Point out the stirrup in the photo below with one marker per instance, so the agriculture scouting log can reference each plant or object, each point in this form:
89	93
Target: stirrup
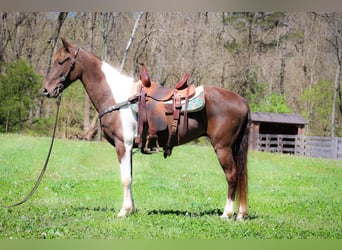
146	148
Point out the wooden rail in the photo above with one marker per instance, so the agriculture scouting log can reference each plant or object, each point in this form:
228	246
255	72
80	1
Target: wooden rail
313	146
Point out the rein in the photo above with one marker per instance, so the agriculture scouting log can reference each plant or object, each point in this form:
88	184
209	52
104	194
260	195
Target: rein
59	90
35	187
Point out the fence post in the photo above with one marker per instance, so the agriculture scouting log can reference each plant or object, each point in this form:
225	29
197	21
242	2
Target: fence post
279	144
299	145
257	142
334	145
267	143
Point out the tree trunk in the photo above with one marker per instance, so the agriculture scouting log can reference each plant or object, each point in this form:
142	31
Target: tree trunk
135	28
87	104
282	72
336	88
61	18
93	128
3	16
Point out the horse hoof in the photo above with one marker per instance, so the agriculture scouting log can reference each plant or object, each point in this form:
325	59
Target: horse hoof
241	217
124	212
226	217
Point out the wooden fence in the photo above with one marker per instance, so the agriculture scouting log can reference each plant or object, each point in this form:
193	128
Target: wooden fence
312	146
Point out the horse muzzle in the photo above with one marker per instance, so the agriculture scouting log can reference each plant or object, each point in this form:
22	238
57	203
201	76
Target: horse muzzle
56	92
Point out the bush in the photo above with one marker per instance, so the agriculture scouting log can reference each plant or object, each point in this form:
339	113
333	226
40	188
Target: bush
19	85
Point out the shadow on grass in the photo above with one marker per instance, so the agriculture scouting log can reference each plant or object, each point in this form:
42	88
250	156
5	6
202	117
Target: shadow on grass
94	209
211	212
216	211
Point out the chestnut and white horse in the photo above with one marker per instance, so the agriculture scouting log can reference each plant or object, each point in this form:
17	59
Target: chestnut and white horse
225	120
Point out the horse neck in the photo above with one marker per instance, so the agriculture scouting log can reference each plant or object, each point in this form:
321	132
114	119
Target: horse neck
105	85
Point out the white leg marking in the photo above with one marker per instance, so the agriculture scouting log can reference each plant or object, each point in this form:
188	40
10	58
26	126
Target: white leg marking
228	209
242	214
126	180
129	130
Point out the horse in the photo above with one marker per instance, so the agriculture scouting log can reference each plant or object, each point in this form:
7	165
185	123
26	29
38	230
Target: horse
225	120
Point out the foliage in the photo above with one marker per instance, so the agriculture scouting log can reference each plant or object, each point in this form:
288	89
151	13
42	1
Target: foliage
319	98
274	103
178	198
72	108
19	85
261	101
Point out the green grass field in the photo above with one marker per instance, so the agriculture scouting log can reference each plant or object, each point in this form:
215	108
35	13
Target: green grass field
181	197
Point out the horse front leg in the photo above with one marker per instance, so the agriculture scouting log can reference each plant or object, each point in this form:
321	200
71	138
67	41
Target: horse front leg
126	179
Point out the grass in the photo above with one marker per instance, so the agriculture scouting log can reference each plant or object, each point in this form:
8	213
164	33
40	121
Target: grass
180	197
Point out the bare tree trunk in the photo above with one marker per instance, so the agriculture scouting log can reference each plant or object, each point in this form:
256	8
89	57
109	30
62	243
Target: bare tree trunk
61	18
135	28
3	17
282	62
93	128
107	21
336	88
282	72
86	121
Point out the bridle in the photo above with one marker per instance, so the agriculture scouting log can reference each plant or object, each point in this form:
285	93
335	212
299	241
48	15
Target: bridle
65	76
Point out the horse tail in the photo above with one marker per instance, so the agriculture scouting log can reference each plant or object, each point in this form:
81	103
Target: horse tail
240	156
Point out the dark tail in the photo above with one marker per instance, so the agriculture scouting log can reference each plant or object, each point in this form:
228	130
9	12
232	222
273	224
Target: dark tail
240	156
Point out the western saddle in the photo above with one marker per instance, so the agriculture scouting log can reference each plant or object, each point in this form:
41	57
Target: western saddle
155	102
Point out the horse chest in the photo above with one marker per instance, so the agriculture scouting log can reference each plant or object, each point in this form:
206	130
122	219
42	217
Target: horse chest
121	123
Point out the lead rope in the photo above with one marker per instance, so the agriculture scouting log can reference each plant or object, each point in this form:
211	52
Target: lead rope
33	190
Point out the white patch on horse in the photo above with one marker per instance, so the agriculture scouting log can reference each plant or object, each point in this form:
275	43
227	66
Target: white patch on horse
126	179
121	87
228	209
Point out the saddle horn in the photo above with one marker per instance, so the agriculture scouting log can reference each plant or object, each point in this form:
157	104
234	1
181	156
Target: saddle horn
144	76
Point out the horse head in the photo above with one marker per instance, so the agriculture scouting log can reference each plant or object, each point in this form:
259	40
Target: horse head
63	70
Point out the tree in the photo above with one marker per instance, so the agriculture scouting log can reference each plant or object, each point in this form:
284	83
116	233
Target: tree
19	85
87	103
320	102
334	21
130	40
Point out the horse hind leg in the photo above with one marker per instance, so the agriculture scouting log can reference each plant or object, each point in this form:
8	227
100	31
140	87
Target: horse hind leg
225	158
233	178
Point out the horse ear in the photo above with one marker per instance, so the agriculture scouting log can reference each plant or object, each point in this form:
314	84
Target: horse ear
144	76
66	44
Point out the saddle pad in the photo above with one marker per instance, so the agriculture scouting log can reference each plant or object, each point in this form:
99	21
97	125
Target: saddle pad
196	103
